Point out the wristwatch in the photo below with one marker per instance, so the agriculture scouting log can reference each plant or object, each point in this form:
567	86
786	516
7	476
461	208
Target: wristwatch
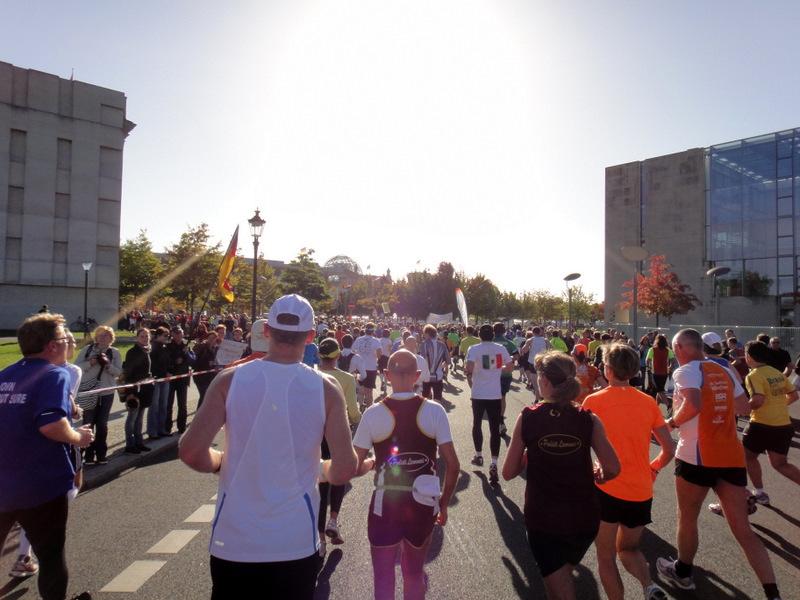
672	424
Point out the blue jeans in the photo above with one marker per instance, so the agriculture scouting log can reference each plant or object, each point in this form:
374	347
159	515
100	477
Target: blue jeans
133	428
157	413
98	418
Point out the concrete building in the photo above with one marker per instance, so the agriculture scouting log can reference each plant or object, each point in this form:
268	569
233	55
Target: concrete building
61	144
733	205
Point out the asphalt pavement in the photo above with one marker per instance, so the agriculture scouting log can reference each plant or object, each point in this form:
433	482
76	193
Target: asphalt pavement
133	505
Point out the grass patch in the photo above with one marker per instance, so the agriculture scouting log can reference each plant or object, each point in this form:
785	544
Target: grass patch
9	350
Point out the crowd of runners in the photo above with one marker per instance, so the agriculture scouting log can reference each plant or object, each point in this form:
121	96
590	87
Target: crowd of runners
367	397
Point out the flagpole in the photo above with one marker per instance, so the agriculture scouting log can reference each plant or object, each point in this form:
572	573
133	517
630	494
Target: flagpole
208	295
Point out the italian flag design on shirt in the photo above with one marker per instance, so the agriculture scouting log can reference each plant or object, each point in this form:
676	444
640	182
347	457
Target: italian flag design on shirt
492	361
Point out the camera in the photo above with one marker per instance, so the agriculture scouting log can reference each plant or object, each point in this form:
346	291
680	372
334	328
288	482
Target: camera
131	402
102	359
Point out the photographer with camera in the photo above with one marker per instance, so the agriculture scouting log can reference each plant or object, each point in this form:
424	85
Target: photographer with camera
100	361
136	368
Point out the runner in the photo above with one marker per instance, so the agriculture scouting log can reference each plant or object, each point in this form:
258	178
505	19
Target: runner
631	418
553	442
486	363
709	456
406	430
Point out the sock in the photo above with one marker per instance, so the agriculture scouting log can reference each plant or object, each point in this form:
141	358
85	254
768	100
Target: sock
479	454
771	590
494	460
757	491
682	569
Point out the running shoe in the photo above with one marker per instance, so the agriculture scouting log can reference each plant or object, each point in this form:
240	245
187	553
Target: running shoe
477	461
666	567
493	478
83	596
332	531
24	567
503	428
715	507
102	461
762	498
653	592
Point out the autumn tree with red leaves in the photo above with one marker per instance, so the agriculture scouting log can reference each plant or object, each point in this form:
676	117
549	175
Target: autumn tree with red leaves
660	293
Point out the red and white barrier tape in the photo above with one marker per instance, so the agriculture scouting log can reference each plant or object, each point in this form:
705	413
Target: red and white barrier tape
147	382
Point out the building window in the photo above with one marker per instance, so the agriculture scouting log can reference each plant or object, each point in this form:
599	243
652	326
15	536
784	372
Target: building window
16	149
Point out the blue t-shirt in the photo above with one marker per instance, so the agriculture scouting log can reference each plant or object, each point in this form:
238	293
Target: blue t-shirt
33	469
311	355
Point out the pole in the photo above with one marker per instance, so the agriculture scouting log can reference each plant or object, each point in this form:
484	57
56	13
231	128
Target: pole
85	303
569	317
636	304
255	278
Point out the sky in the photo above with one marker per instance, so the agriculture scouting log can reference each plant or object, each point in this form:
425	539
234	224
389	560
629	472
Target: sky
403	134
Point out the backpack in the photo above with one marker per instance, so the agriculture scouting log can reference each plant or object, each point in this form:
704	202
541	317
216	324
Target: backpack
343	362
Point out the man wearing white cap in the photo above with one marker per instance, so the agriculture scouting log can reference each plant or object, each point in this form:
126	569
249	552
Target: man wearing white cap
275	412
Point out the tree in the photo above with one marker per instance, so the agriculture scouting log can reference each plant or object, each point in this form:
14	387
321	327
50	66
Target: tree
482	298
304	277
660	293
267	285
139	269
542	306
582	303
193	266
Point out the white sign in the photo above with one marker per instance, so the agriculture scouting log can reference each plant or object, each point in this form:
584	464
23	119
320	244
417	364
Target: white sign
229	351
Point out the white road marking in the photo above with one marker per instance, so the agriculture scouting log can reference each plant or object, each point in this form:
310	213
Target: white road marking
204	514
173	541
132	578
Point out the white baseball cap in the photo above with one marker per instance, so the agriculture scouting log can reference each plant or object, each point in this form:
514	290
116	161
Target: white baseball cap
291	313
710	338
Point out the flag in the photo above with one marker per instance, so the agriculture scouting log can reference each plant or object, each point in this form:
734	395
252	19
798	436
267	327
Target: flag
462	306
303	250
223	285
492	361
385	307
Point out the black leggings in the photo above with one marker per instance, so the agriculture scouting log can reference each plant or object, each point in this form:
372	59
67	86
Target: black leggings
337	495
46	528
492	409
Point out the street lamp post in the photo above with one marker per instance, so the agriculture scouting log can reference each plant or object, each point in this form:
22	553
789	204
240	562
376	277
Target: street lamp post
256	227
715	273
87	266
635	254
568	278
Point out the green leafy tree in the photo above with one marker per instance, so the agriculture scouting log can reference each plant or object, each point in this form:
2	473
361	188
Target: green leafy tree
661	292
267	285
139	269
542	306
582	303
482	298
192	266
304	277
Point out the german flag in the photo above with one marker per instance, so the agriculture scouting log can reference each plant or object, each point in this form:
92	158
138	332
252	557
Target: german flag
226	267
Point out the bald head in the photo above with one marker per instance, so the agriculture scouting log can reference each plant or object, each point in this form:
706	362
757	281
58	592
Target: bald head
402	371
411	344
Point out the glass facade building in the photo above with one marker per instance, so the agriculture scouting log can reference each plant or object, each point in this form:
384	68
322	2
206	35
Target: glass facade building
753	216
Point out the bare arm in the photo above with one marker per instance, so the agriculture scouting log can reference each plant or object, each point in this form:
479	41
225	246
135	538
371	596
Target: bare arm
791	397
756	401
691	406
516	458
62	431
195	445
667	448
342	465
470	368
509	367
452	470
605	452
